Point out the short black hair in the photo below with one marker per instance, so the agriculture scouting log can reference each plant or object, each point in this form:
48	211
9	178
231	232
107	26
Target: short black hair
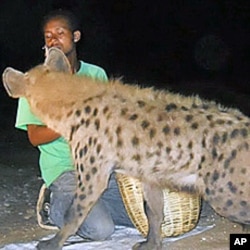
66	15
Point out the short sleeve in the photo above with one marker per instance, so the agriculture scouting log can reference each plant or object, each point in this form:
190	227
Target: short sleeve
25	116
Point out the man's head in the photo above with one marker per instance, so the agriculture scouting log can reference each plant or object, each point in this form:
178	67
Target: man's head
61	29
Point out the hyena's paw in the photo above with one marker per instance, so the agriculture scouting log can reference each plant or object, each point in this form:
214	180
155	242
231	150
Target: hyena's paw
48	245
145	245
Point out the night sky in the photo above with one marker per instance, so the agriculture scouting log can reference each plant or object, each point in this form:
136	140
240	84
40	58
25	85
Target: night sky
199	46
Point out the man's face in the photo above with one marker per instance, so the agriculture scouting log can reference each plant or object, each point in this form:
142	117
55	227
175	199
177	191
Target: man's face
58	34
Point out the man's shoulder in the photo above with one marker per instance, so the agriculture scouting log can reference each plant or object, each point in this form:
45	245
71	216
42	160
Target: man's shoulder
89	66
92	70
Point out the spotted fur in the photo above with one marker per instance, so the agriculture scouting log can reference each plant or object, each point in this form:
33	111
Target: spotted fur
161	138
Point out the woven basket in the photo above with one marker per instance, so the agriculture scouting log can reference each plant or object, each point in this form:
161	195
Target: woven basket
181	210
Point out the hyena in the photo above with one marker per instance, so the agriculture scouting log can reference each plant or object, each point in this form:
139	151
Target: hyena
165	140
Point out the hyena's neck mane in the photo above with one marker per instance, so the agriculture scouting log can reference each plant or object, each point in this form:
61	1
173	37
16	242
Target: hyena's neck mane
55	95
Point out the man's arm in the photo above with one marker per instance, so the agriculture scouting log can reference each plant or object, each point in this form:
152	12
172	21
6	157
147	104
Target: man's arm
39	134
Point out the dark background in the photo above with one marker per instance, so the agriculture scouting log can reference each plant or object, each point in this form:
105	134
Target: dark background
190	46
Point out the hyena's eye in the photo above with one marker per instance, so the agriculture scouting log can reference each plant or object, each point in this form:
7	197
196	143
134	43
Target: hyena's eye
45	70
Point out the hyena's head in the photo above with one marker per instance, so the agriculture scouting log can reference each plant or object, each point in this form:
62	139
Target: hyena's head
18	84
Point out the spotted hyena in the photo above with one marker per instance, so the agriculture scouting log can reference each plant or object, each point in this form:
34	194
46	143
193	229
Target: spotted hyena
161	138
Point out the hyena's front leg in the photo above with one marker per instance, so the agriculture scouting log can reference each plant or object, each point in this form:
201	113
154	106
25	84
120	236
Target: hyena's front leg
84	200
70	227
153	196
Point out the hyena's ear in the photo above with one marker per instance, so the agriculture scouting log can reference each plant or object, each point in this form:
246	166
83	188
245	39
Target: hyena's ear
57	61
14	82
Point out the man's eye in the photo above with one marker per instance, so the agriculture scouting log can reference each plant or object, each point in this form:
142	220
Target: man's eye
47	36
60	33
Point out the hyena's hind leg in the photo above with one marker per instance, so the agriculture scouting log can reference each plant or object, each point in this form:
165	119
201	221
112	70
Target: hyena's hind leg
77	213
154	203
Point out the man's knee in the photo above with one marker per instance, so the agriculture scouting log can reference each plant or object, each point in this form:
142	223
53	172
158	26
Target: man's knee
97	231
99	224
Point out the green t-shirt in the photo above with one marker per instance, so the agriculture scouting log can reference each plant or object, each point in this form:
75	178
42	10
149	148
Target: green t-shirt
55	157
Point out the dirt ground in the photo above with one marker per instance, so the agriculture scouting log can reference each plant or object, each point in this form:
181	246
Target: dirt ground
19	186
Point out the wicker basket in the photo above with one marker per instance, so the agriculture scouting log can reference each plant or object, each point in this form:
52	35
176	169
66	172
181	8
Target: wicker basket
181	210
